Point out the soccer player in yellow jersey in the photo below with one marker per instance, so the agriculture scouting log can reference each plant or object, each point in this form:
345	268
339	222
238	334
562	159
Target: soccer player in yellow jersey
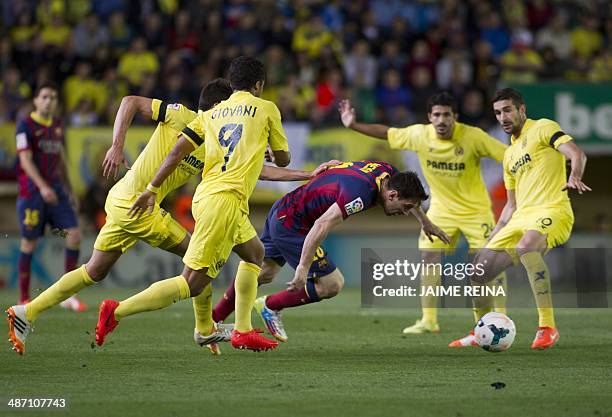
449	153
538	215
119	233
235	133
157	228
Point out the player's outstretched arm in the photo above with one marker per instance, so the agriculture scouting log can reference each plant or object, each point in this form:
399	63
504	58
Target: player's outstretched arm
578	160
430	229
349	119
130	105
146	200
271	156
270	173
506	213
331	218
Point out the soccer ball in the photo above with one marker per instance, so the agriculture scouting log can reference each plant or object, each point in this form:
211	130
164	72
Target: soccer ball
495	332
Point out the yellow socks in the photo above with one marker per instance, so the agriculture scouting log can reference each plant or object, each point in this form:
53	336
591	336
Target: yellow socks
484	305
539	278
481	305
499	302
429	303
159	295
69	284
246	292
202	310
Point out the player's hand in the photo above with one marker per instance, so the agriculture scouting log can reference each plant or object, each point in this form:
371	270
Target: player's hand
113	159
48	194
299	279
347	113
270	155
323	167
432	230
144	203
575	183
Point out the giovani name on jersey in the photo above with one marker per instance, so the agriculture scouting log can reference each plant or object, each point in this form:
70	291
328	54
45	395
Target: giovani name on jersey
239	110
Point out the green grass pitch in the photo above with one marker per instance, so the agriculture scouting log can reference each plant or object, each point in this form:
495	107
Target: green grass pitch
341	360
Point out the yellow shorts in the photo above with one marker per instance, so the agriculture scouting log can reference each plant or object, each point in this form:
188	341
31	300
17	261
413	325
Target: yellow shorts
158	229
476	228
556	223
220	225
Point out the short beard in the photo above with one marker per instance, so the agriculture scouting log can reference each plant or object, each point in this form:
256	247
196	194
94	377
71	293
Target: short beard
516	129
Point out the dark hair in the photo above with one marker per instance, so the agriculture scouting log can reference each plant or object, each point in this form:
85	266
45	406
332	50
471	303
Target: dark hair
48	84
508	94
408	185
442	99
245	71
214	92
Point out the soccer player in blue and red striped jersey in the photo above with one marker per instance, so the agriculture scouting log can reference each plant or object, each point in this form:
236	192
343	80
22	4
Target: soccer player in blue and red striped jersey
299	222
45	195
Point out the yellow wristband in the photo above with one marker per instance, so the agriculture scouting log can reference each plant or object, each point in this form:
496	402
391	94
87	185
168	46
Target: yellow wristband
152	188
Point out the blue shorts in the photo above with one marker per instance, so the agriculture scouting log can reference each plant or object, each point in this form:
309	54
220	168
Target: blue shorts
34	214
283	245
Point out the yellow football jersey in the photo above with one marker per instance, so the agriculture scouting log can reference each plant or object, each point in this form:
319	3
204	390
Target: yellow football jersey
533	167
236	133
172	118
451	167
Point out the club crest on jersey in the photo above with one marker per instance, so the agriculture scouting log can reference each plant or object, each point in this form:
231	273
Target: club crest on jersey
458	151
354	206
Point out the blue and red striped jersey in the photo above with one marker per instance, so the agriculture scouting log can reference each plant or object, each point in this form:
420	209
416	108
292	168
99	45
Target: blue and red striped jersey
45	141
354	186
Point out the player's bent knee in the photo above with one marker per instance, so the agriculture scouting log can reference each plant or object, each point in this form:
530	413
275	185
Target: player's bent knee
265	278
526	247
195	287
73	239
196	280
96	271
269	270
255	258
251	251
330	285
100	264
531	241
27	245
253	254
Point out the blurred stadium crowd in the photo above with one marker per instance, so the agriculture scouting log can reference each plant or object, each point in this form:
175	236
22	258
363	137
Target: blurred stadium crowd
388	55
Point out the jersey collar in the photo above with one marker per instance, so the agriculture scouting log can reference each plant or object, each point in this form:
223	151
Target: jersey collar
40	120
241	93
526	126
380	178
